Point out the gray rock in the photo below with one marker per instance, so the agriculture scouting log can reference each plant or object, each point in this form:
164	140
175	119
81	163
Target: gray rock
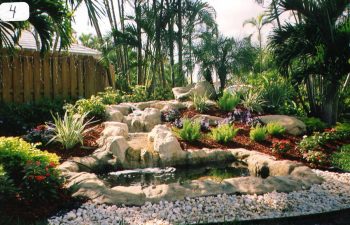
202	88
293	125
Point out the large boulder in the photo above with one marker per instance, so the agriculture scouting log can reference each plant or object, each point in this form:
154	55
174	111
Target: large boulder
202	88
143	121
293	125
166	145
113	129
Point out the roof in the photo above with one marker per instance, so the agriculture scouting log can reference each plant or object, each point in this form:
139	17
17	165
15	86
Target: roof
27	42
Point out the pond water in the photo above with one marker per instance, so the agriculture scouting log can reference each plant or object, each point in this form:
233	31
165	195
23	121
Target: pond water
155	176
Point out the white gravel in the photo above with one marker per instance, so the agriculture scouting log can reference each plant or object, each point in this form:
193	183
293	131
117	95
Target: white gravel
333	194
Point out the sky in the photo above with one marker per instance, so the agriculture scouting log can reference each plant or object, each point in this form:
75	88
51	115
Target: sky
230	16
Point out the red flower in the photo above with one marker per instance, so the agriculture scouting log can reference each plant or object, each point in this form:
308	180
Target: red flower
52	164
46	169
40	178
47	174
38	163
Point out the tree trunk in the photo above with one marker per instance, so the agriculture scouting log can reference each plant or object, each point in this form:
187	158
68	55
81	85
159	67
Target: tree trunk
329	113
180	44
276	14
139	42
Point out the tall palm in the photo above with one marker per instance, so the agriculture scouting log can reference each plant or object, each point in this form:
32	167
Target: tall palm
273	12
315	51
258	23
95	11
47	18
197	13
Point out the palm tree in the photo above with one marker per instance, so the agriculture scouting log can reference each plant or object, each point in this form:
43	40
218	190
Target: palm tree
197	14
273	10
95	12
258	23
47	18
315	51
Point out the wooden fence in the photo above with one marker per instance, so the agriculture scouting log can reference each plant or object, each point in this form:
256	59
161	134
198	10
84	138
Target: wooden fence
27	77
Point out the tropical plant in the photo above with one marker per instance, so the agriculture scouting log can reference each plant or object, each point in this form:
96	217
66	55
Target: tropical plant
314	124
342	159
258	23
228	102
93	107
315	51
253	101
110	96
258	133
69	130
200	102
190	131
275	129
224	133
48	19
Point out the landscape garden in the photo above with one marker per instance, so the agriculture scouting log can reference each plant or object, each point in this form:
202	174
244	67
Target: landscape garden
263	131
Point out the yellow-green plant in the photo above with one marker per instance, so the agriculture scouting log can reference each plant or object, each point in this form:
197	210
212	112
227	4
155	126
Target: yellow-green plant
200	102
258	133
69	130
224	133
228	102
190	131
275	129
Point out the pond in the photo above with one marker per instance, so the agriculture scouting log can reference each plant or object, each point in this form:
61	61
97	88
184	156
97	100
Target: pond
156	176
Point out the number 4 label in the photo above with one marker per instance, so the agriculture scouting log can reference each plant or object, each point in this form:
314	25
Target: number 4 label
14	11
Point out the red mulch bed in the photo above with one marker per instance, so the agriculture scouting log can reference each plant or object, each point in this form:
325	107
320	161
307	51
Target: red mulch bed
88	147
242	140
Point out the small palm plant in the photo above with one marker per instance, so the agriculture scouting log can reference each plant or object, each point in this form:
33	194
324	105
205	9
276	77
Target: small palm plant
69	130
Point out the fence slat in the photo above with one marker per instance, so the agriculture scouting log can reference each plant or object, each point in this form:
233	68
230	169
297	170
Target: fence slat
73	77
81	77
47	76
65	77
27	77
37	72
6	79
17	80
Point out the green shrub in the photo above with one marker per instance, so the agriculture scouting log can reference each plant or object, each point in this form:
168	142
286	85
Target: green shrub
7	186
281	146
224	133
69	130
32	171
94	107
15	153
110	96
253	101
139	94
161	93
342	159
16	119
275	129
310	143
343	130
316	157
190	131
314	124
200	103
258	133
228	101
